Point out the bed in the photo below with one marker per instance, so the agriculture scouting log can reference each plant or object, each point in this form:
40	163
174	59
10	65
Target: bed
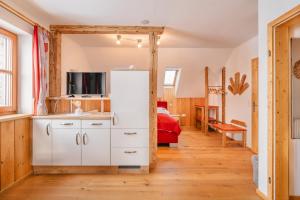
168	128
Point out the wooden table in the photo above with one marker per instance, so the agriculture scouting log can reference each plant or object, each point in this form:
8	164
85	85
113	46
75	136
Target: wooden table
201	109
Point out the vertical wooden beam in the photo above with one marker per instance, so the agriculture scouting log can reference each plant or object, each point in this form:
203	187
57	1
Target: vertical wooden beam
283	110
153	97
55	64
206	102
224	95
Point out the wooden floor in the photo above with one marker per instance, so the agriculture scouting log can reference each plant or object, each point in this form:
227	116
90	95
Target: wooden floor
198	169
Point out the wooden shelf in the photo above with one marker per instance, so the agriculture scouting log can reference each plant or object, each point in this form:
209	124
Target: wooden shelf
92	98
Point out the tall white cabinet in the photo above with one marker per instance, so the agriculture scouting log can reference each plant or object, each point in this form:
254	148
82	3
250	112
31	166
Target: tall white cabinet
130	122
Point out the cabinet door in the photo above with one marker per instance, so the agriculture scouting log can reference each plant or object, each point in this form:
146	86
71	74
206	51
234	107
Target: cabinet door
96	147
66	147
130	99
41	142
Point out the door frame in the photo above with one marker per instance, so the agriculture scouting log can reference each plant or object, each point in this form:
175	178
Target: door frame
279	85
254	61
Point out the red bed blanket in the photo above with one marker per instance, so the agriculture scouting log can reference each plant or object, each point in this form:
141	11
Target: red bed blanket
167	123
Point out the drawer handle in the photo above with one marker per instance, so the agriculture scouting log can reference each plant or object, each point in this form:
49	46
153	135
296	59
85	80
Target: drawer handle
67	124
96	124
130	133
129	152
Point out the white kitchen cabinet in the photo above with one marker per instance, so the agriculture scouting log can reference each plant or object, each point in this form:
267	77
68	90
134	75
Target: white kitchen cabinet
130	138
42	142
130	99
95	147
66	147
130	156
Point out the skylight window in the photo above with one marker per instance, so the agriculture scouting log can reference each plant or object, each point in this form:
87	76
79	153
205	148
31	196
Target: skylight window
170	77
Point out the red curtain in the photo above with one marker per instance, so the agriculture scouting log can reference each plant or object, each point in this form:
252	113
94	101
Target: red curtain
36	68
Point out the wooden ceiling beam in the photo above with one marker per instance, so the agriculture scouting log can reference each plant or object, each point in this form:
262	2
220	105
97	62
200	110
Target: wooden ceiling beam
98	29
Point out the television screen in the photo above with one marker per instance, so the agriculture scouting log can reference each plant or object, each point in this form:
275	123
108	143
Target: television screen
86	83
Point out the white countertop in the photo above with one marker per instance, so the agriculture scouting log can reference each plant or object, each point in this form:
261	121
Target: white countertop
84	116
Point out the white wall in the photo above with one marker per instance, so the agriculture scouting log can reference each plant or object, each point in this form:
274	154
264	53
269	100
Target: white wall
239	106
268	10
191	60
24	32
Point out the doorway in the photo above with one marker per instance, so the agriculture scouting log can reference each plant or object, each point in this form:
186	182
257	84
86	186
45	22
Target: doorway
280	104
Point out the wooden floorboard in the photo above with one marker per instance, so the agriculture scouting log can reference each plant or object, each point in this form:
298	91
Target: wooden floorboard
198	169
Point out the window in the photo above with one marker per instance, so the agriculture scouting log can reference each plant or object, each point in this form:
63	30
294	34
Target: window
8	72
170	77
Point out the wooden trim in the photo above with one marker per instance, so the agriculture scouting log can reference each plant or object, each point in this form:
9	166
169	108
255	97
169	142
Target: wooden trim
37	170
16	182
98	29
223	95
261	195
19	14
153	97
294	197
14	38
206	102
278	141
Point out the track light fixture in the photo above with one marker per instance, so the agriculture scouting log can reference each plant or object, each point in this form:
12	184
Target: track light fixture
118	39
139	43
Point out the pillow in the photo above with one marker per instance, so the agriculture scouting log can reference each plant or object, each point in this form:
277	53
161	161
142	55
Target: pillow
162	110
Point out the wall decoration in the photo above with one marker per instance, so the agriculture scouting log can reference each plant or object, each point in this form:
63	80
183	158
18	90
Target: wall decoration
238	86
296	69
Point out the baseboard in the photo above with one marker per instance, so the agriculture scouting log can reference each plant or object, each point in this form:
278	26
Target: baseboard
294	197
261	195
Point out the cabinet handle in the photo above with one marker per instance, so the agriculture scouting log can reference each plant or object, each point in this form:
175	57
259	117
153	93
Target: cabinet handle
67	124
85	138
129	152
114	119
78	139
130	133
47	129
96	124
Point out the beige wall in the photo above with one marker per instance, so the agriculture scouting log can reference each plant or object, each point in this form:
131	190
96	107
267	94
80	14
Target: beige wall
191	60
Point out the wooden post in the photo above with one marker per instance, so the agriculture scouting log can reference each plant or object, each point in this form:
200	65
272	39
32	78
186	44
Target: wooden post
55	64
153	97
224	95
206	102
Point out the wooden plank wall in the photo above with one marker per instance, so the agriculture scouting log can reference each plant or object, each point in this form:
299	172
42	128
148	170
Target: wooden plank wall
15	151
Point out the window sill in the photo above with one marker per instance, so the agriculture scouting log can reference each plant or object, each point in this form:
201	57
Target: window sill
11	117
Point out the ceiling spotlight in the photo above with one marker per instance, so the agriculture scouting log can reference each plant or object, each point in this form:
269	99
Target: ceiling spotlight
139	43
158	40
118	39
145	22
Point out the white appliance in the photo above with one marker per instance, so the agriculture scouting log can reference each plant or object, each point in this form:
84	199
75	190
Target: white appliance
130	122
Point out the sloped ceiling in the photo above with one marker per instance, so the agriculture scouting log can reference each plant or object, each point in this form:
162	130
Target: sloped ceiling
189	23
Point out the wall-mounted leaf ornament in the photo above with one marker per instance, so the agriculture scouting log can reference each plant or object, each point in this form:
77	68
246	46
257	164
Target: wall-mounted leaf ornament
238	85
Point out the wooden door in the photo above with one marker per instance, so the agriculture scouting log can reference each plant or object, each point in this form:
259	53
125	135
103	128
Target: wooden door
7	153
254	63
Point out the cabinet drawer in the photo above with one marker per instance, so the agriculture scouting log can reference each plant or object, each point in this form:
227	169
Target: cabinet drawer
129	156
95	123
66	123
130	137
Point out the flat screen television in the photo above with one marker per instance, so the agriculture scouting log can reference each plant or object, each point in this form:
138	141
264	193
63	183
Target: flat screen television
86	83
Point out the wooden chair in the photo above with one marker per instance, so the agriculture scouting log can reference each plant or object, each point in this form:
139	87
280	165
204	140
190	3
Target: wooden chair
236	127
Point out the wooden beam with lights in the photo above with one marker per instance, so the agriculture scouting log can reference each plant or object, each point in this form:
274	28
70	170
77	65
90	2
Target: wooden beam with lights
98	29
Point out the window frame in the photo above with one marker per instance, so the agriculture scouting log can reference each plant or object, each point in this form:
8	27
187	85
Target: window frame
13	108
175	78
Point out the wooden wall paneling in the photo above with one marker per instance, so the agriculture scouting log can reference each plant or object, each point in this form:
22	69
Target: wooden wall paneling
55	64
153	96
283	103
106	105
169	96
7	154
22	149
183	108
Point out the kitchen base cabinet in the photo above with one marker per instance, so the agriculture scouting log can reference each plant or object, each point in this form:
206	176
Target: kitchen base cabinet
95	147
66	147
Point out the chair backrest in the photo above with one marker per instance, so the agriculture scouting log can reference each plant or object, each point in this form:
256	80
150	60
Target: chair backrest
239	123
